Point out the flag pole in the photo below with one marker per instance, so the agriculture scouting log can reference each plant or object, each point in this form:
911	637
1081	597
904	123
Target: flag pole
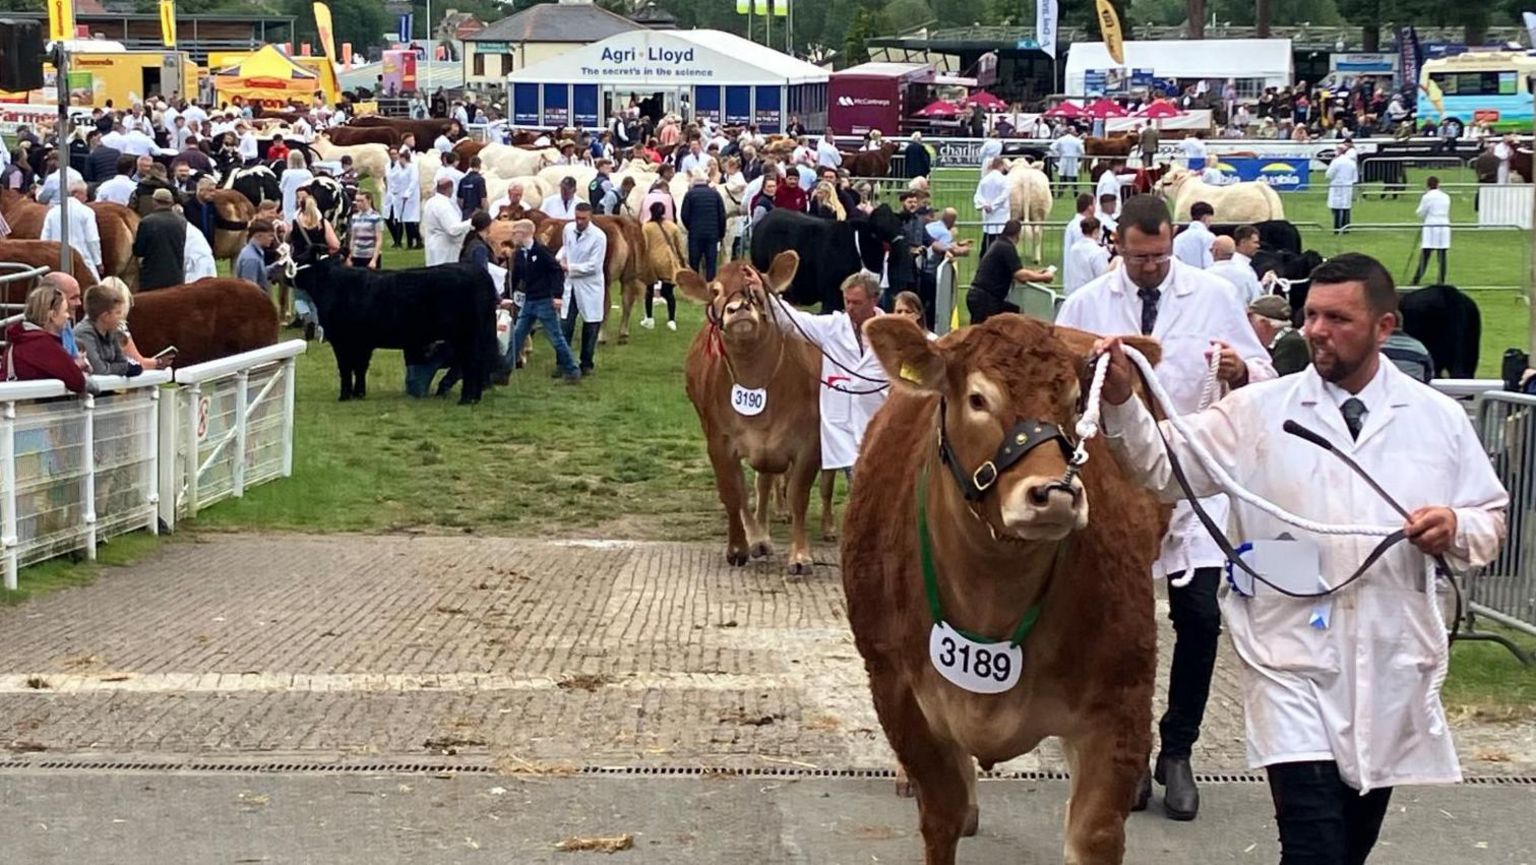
61	78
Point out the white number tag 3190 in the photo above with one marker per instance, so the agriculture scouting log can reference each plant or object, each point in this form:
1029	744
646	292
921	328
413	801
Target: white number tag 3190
981	668
748	402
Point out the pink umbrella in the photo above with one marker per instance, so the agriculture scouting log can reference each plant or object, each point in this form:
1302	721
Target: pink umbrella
1160	110
1103	108
939	108
986	101
1069	110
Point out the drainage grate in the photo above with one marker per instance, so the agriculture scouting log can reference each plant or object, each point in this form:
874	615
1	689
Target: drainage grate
427	767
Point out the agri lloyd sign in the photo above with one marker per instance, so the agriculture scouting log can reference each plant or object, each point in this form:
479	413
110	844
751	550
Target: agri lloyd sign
647	61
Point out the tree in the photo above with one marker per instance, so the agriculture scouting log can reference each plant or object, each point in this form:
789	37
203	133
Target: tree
854	49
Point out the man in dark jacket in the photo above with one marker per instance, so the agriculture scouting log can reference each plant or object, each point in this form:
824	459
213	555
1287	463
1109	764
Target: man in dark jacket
161	245
915	159
101	164
535	286
703	217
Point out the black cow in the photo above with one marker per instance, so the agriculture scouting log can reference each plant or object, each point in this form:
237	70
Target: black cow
361	310
334	203
1273	234
830	252
1449	324
1296	267
257	183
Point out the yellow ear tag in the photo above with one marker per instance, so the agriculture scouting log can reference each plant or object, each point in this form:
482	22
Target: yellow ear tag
910	373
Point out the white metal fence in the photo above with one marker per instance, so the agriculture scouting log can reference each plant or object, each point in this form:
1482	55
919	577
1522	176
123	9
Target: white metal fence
1506	590
75	469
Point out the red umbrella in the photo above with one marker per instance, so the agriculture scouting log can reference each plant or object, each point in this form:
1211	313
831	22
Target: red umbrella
986	100
1104	107
939	108
1069	110
1161	109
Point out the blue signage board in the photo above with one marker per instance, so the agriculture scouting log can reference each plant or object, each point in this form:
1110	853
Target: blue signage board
525	104
557	104
738	106
768	116
1284	174
584	105
706	103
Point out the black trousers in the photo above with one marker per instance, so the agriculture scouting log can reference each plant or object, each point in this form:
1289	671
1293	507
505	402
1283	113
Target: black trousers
986	241
589	334
1424	265
1322	820
928	293
1340	218
982	305
703	255
413	235
668	294
1196	630
394	231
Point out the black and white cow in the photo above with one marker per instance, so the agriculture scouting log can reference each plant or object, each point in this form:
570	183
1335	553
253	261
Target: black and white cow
257	183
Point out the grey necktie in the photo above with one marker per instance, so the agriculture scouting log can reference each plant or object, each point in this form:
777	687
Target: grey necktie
1149	298
1354	412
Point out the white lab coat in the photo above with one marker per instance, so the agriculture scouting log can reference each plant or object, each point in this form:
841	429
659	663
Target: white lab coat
992	201
1195	309
1193	245
442	230
1068	150
1194	151
990	150
197	257
50	189
451	173
585	279
827	155
1343	173
1069	239
1364	691
1238	270
84	236
1109	184
1435	210
292	180
558	208
402	198
846	411
117	190
1088	260
1504	153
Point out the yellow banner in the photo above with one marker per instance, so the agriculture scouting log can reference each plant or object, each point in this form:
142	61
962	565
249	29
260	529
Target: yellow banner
168	23
1436	97
323	27
61	20
1109	28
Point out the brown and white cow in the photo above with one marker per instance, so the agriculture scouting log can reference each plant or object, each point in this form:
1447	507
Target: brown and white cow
977	422
741	355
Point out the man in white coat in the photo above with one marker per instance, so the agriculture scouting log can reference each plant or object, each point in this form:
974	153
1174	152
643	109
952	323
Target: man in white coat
990	150
991	200
1193	245
562	205
403	199
1087	259
582	250
1068	150
1193	315
1435	211
1235	268
1340	693
1109	184
1343	173
442	229
1504	151
853	383
84	236
827	154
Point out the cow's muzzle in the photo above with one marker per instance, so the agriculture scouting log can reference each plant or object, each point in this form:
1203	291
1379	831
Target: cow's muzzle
1043	508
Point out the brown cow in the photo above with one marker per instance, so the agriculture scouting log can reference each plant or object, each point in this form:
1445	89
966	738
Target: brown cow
624	261
426	131
870	163
115	223
233	213
1008	538
742	347
468	148
35	253
204	320
1119	144
349	136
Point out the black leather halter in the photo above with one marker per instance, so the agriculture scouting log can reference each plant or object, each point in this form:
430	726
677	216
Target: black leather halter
1023	437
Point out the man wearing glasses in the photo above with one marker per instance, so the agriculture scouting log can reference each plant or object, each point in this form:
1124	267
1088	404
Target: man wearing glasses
1193	315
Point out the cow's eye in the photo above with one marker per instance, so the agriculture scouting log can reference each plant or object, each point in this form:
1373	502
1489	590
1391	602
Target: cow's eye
978	402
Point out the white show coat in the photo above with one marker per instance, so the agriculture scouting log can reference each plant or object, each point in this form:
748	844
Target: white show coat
1194	149
992	201
442	230
846	410
1238	270
1193	245
1195	308
1364	691
1109	184
990	150
827	155
402	197
84	236
197	257
117	190
50	189
290	183
585	279
1088	260
1342	175
1503	152
1067	149
1435	210
451	173
1069	239
558	208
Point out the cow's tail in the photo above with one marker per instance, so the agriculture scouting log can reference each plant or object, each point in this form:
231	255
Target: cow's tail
1272	198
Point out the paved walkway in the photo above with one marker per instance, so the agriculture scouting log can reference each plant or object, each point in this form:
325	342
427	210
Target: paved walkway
520	654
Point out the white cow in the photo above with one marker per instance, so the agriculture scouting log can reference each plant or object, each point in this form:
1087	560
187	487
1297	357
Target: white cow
1246	202
507	161
533	193
1029	201
370	160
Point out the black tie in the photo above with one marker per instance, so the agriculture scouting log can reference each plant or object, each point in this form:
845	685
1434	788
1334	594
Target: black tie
1149	298
1354	412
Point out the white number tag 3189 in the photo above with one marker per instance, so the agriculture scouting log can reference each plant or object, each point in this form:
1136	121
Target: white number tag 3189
748	402
981	668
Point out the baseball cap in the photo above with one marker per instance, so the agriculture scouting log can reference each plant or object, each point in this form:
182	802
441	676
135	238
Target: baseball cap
1271	306
164	196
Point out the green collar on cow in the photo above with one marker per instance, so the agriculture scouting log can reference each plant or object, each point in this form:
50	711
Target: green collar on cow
931	577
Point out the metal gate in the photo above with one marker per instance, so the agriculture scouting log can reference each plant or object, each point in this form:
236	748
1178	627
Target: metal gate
1505	591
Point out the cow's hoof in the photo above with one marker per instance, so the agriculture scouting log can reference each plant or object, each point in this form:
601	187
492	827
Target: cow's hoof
972	822
1143	793
799	568
762	549
829	535
736	558
904	788
623	339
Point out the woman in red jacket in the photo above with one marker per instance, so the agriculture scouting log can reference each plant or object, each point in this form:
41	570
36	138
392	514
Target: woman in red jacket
33	348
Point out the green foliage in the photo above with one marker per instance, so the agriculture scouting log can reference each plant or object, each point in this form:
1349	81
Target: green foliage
854	49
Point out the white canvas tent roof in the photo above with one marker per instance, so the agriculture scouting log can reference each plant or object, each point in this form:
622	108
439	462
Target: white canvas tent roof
1269	59
671	58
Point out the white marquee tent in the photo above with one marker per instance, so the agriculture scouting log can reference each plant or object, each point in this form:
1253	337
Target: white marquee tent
1256	63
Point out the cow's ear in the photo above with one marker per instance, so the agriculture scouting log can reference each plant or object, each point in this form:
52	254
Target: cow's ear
693	286
782	271
906	352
